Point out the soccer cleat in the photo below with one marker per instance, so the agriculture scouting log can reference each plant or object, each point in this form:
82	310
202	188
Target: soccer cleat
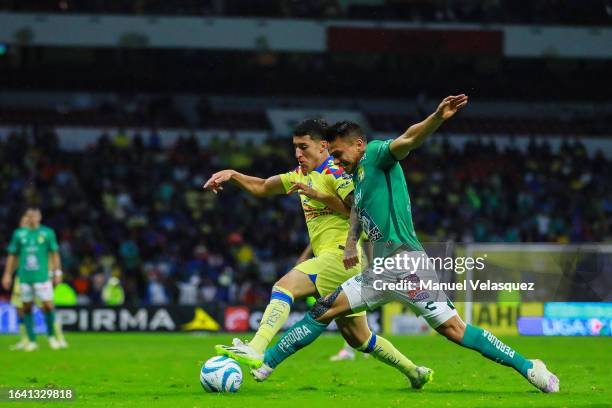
343	354
54	343
424	376
541	378
63	343
19	345
262	373
241	352
31	346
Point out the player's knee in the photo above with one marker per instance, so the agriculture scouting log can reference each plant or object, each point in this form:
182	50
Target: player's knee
323	310
27	308
453	329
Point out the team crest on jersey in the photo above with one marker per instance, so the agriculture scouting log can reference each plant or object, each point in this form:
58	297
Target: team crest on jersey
360	173
41	239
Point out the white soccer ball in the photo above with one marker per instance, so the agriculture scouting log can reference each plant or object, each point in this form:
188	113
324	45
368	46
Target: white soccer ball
221	374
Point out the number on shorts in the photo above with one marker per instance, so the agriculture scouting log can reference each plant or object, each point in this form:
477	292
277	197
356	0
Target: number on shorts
430	306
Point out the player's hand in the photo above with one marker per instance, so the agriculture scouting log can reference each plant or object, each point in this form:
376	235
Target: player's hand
351	257
215	182
6	282
302	188
450	105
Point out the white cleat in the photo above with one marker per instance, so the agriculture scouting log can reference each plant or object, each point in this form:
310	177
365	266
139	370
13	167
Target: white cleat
541	378
342	355
241	352
424	376
19	345
31	346
63	343
54	343
262	373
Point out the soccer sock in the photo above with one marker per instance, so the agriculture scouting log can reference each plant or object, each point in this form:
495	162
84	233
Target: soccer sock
383	350
59	332
29	324
50	322
22	330
489	346
274	317
301	334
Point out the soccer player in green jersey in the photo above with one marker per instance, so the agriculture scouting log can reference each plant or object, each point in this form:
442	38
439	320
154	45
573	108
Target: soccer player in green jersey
382	208
29	252
323	188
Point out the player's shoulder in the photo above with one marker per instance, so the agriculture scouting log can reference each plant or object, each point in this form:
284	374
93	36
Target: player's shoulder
46	230
374	146
330	169
20	231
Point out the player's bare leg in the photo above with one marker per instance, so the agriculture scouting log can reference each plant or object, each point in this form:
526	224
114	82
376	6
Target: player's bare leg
294	285
489	346
23	340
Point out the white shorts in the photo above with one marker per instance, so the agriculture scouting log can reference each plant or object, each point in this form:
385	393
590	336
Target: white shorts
367	292
42	290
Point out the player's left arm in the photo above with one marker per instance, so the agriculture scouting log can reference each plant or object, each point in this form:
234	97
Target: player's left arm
331	201
419	132
55	260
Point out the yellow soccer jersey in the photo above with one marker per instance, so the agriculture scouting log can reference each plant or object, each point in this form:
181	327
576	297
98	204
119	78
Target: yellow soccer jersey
327	229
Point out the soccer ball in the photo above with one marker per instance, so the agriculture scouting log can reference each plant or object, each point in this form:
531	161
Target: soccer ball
221	374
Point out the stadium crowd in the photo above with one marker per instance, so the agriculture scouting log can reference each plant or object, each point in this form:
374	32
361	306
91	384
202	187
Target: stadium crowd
129	209
484	11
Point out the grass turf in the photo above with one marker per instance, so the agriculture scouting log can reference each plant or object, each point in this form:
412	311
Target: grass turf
136	370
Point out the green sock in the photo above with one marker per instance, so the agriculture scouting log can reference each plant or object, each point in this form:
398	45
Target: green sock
489	346
29	324
50	322
301	334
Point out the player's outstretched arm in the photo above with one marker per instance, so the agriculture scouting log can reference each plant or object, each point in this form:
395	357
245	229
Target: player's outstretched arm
9	268
417	133
256	186
331	201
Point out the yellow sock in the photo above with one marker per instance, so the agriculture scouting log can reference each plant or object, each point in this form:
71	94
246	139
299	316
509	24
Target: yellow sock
22	332
383	350
59	333
273	318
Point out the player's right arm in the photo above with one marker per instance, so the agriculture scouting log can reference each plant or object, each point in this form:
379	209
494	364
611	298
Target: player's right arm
11	261
351	255
256	186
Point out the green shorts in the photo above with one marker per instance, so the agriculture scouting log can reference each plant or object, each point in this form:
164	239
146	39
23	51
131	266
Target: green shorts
327	272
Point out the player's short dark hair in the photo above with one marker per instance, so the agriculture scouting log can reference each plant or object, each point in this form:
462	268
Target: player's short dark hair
343	129
315	128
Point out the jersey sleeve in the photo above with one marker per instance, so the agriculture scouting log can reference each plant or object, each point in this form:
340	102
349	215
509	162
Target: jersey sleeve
288	178
344	185
381	152
53	247
13	246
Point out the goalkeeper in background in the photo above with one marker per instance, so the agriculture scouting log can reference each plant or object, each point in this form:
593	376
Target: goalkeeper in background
29	250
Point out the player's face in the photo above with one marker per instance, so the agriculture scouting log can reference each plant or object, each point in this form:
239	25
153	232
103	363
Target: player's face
347	152
308	152
33	218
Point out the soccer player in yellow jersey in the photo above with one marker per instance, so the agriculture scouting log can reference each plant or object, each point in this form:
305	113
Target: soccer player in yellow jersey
326	194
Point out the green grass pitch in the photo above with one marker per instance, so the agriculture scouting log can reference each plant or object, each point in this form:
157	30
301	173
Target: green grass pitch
151	370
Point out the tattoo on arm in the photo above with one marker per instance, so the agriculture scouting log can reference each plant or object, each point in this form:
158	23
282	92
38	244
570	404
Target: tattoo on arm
355	225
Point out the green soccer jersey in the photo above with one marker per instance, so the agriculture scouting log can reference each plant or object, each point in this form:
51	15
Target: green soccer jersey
381	197
32	247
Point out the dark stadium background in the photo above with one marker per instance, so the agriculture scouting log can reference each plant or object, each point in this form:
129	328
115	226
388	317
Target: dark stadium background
112	131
